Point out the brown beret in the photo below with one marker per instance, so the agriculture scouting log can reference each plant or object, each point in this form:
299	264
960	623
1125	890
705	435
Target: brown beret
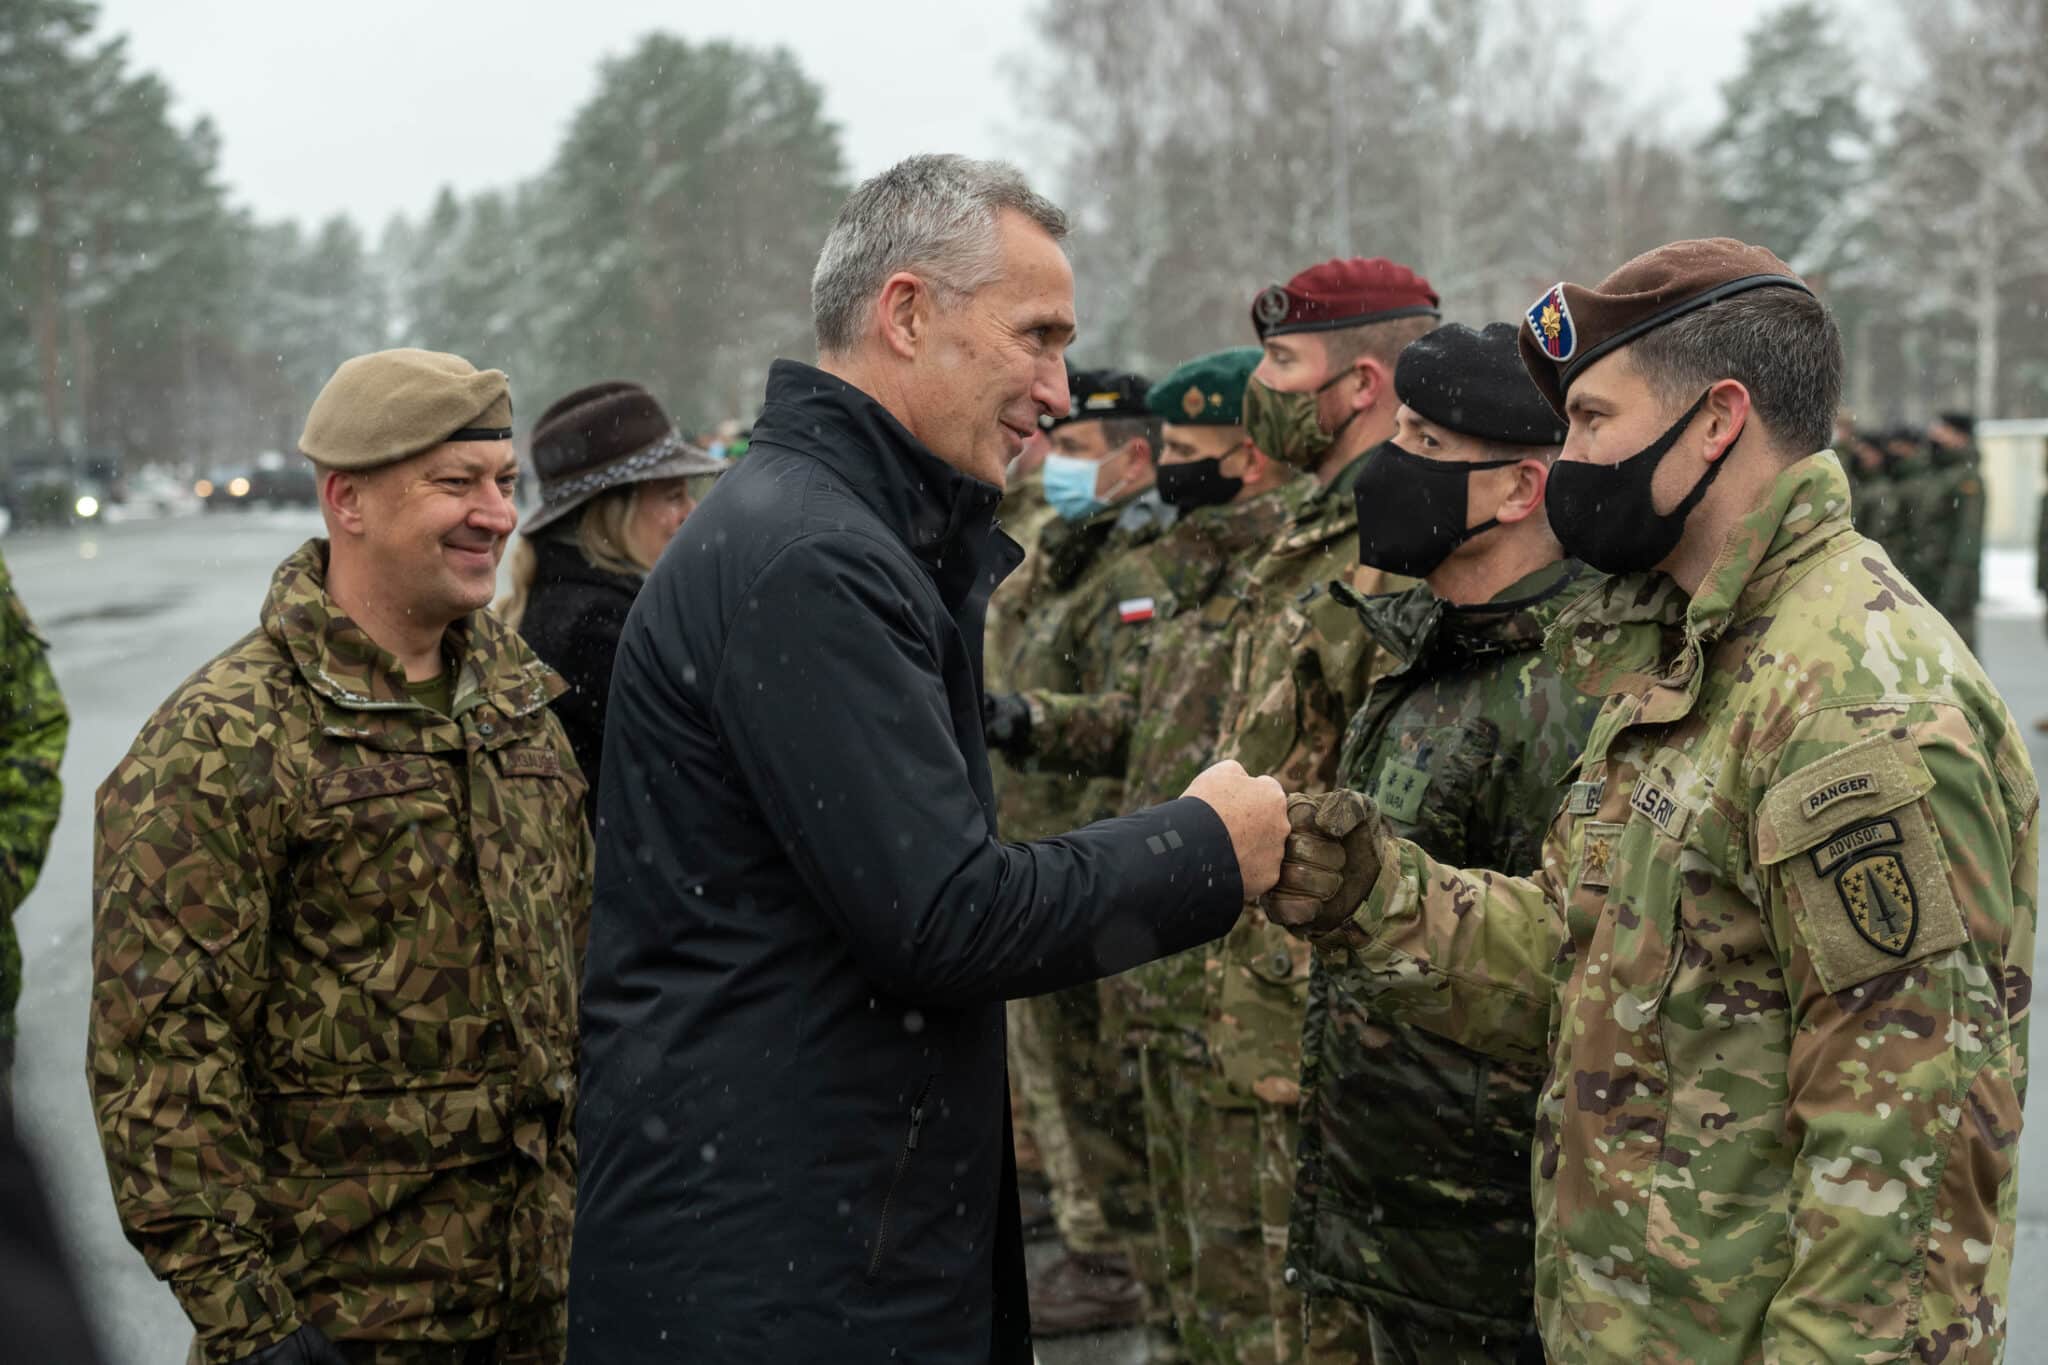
388	406
1570	327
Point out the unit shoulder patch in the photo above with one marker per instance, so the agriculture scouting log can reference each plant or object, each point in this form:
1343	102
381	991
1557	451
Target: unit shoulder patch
1875	896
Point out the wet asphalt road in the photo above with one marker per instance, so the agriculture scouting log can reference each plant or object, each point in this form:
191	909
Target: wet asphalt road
131	609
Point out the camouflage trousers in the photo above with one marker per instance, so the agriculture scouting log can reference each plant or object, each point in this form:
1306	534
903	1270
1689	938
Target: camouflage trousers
1222	1174
1085	1115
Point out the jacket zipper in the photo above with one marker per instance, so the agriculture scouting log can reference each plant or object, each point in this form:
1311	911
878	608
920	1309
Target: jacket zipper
896	1180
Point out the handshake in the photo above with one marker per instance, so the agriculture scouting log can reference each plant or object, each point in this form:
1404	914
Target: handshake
1307	860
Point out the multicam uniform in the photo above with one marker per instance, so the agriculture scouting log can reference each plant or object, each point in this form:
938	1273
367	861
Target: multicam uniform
1777	955
1413	1190
33	728
1954	527
1156	725
336	946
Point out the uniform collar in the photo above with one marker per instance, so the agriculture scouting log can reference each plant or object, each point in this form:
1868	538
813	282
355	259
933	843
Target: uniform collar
1417	627
339	660
1640	633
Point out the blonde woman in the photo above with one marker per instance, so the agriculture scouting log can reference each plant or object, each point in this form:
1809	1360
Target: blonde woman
615	484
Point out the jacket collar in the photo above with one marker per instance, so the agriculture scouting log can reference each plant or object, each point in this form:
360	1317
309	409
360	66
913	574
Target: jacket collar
1620	638
920	497
560	562
1418	627
339	660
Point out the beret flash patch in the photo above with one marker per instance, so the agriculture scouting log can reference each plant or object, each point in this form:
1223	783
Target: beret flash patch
1550	319
1192	402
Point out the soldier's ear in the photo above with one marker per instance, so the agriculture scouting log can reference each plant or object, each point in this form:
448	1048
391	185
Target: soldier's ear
341	499
1525	493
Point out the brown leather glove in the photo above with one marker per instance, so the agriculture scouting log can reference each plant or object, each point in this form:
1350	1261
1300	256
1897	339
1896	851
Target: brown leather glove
1332	860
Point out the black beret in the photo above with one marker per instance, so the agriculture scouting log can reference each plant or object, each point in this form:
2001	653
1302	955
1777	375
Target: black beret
1096	394
1964	422
1475	383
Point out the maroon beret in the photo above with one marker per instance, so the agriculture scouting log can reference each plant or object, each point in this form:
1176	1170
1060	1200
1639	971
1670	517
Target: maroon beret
1338	294
1570	327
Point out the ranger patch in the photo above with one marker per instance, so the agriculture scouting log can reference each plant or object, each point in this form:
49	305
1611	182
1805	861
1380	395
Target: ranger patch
1840	789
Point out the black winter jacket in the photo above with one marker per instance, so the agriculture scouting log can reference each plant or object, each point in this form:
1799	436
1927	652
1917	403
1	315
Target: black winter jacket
793	1125
574	613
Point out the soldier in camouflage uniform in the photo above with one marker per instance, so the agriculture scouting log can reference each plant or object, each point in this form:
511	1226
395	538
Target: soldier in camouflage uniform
1323	397
342	882
1178	609
1874	501
33	728
1777	952
1081	1108
1956	500
1413	1192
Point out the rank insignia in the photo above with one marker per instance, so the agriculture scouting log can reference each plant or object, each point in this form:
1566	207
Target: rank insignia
1550	319
1192	403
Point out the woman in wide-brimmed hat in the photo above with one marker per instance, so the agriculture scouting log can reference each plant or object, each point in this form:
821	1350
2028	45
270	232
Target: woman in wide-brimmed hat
615	484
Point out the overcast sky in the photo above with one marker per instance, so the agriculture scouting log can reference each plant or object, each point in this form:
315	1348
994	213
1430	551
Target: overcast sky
368	108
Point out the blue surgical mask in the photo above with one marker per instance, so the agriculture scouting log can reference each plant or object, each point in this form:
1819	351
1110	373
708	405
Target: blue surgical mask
1070	487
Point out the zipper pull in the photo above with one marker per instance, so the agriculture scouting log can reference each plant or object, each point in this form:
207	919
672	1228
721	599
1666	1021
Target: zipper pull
916	1122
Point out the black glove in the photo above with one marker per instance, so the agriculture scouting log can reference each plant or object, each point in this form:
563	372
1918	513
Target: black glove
1006	721
303	1347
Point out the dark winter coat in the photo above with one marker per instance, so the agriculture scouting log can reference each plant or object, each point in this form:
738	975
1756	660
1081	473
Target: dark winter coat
794	1129
574	613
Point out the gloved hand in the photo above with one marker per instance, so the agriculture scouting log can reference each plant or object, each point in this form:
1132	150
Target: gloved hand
304	1347
1006	721
1332	860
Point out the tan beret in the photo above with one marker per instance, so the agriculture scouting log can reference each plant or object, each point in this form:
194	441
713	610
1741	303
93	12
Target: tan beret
1570	327
388	406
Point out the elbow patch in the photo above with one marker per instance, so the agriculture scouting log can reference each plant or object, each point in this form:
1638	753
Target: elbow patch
1851	836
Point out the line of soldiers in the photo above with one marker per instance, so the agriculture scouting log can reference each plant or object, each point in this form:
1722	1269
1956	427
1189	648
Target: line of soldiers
1921	496
1332	557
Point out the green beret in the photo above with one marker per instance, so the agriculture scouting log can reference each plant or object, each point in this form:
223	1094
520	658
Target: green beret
1207	391
388	406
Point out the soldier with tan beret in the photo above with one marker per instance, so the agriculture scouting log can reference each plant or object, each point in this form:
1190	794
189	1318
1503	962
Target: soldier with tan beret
341	887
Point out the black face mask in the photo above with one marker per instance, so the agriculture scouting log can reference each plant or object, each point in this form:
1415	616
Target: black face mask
1603	514
1412	510
1198	483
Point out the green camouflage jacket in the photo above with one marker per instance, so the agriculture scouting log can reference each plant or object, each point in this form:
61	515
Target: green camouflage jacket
1777	954
1059	645
1953	509
1175	612
1412	1194
1302	671
1874	501
336	947
1024	516
33	728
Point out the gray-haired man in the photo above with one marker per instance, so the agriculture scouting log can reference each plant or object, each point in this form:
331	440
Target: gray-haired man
793	1122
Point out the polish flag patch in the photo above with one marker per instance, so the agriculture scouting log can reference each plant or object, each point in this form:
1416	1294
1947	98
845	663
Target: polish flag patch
1134	610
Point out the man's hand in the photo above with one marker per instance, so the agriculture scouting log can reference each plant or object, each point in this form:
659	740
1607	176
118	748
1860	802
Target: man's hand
1254	810
1006	722
303	1347
1333	858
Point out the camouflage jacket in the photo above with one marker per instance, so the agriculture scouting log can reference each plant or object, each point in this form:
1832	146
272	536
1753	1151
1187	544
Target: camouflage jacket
1175	612
1777	954
1024	516
1063	646
1412	1194
33	728
1954	526
1300	674
336	947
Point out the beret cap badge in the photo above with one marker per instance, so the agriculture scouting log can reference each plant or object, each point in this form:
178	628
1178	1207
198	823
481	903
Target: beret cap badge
1272	305
1550	318
1192	403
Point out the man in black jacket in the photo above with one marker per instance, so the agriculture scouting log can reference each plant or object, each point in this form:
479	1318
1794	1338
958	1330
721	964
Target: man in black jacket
793	1120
